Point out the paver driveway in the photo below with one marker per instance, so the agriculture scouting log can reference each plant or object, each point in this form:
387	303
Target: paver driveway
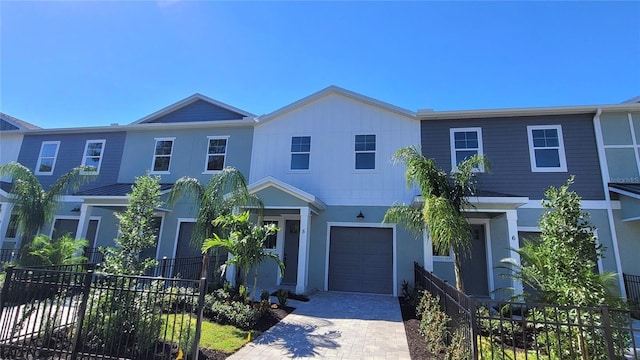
334	325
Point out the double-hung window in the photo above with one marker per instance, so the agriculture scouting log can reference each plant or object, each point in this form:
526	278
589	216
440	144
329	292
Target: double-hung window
300	151
365	147
92	156
465	142
162	155
216	153
546	148
47	159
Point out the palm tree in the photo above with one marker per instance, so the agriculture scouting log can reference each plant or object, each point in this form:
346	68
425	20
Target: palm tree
226	189
35	206
445	197
245	243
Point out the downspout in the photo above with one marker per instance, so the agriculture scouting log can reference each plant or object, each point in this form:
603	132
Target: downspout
604	171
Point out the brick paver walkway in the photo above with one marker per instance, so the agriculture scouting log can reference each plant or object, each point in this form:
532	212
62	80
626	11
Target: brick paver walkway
334	325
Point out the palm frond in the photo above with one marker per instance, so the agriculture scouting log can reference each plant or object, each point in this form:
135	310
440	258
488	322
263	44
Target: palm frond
186	187
407	216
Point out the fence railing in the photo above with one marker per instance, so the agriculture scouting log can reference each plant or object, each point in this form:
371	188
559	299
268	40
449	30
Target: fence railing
632	284
517	330
48	313
7	255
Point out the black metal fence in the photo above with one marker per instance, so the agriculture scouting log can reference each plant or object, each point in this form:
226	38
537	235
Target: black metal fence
515	330
6	256
632	284
52	314
93	255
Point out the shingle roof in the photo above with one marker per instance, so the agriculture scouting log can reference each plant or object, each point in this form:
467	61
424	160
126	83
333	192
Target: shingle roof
20	123
120	189
628	187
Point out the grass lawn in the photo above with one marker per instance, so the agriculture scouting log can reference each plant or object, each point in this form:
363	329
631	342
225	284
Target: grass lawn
225	338
495	351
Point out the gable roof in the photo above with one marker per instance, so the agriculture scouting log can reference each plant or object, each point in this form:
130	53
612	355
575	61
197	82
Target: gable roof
271	182
156	116
635	100
15	123
335	90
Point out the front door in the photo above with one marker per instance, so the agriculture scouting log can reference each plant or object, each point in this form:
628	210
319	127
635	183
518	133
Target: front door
291	242
474	266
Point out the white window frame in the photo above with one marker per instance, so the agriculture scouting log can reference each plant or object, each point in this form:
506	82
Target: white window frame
55	158
356	152
308	153
452	143
85	156
560	148
153	160
279	234
206	158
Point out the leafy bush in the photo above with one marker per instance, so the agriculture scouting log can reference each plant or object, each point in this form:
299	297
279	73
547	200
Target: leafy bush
433	323
44	251
121	318
233	313
282	295
178	299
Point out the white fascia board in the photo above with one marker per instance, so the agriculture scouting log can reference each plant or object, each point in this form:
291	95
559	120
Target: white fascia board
486	113
338	91
270	181
191	99
508	202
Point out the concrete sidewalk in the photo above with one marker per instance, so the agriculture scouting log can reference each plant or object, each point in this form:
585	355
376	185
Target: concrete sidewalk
334	325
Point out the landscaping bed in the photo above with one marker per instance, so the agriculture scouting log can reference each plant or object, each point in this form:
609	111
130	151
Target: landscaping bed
417	343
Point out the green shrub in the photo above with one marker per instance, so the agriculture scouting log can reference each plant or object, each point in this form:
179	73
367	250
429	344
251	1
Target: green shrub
178	299
233	313
282	295
433	323
121	318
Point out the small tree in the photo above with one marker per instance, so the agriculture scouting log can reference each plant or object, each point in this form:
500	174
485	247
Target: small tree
34	205
136	229
444	200
246	244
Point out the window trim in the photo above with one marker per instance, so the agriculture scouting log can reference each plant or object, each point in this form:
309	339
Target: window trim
207	154
452	144
561	152
153	159
84	156
55	158
308	153
356	152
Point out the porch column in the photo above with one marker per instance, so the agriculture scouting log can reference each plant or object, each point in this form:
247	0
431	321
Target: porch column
427	250
83	223
230	272
303	251
512	224
5	217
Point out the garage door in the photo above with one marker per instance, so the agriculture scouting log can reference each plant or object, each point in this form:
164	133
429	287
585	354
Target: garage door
361	260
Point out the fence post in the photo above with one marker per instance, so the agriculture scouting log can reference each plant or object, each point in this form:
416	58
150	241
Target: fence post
606	327
474	328
86	288
164	267
196	345
5	286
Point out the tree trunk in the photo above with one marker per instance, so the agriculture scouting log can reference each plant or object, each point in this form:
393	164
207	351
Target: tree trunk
255	284
205	264
457	267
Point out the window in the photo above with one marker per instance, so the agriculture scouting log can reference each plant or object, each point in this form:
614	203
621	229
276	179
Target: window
47	158
12	227
270	242
365	152
216	153
465	142
162	155
92	157
300	150
546	148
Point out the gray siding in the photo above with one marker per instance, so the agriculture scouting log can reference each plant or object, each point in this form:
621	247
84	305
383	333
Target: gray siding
198	111
6	126
506	146
70	155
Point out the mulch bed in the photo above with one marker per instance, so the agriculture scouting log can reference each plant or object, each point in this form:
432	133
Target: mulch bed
417	343
265	323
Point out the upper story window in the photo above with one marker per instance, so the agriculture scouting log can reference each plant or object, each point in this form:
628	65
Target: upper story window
300	150
365	152
465	142
546	148
47	158
162	155
216	153
92	157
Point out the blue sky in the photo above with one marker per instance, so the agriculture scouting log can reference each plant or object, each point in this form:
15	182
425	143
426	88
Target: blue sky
71	63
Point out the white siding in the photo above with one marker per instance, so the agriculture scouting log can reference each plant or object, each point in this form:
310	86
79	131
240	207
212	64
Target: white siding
332	122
